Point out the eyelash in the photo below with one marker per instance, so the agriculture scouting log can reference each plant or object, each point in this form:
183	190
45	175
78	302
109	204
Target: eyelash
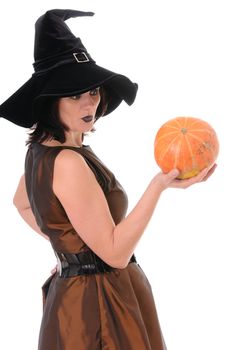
76	97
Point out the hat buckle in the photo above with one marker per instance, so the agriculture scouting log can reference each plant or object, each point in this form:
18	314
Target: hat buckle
81	57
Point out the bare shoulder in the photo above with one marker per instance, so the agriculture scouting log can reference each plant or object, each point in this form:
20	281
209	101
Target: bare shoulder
69	158
70	167
84	202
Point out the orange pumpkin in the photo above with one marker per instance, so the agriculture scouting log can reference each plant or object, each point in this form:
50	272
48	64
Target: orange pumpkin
186	143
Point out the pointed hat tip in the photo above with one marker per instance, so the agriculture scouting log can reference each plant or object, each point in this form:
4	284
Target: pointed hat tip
68	13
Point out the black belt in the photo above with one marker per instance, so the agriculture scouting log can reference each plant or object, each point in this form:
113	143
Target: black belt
83	263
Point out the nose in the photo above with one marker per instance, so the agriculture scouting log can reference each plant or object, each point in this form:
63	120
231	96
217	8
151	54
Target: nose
88	99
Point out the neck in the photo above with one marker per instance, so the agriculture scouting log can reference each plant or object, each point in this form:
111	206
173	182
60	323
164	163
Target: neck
71	140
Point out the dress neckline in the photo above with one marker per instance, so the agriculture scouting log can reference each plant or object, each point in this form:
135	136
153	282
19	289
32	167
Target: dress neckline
76	147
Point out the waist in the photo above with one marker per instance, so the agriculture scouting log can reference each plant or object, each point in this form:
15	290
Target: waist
83	263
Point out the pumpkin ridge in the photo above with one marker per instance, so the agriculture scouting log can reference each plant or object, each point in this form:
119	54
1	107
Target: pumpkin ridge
167	149
193	122
186	122
164	136
172	127
177	153
178	122
203	130
191	153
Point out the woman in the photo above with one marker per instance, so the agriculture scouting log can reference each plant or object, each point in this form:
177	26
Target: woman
99	297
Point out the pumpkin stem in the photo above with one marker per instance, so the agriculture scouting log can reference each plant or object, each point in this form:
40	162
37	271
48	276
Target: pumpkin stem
183	130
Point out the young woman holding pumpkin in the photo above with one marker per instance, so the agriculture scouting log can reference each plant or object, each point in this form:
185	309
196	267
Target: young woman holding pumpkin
98	297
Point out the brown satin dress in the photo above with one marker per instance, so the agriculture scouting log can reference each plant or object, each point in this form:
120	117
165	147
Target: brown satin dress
112	311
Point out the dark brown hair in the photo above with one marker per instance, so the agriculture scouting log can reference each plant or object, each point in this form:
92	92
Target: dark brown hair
50	126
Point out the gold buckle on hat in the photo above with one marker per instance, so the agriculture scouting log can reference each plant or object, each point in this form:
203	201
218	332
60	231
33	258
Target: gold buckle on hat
79	60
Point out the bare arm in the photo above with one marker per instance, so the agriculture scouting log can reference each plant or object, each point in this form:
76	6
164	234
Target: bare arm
85	204
129	231
22	204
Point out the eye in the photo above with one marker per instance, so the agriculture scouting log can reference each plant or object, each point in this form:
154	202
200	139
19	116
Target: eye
75	97
94	92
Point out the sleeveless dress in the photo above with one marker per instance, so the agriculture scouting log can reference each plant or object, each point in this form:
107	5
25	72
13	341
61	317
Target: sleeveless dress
106	311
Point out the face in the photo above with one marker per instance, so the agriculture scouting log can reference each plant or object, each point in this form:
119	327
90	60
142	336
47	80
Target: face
78	112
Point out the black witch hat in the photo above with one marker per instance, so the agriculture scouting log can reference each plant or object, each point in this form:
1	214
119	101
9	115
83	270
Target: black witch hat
63	67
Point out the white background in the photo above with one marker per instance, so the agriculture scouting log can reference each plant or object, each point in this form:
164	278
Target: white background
179	52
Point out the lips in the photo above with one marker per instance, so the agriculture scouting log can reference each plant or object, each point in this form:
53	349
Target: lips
88	118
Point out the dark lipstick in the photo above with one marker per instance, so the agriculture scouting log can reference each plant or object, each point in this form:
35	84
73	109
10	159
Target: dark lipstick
88	118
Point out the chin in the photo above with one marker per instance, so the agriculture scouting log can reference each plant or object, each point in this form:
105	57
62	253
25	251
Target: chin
83	129
88	129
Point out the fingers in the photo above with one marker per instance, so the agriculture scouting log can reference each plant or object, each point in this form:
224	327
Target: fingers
166	179
205	173
202	176
172	174
170	179
209	172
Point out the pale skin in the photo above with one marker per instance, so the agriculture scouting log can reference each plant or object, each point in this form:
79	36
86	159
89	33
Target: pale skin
83	198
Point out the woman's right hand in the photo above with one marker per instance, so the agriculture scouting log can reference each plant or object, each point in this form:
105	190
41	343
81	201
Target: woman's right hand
54	270
170	179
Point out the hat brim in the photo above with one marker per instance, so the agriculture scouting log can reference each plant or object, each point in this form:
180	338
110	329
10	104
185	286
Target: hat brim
22	108
18	107
68	80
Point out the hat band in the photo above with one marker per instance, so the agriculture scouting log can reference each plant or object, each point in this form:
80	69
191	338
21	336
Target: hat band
43	66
